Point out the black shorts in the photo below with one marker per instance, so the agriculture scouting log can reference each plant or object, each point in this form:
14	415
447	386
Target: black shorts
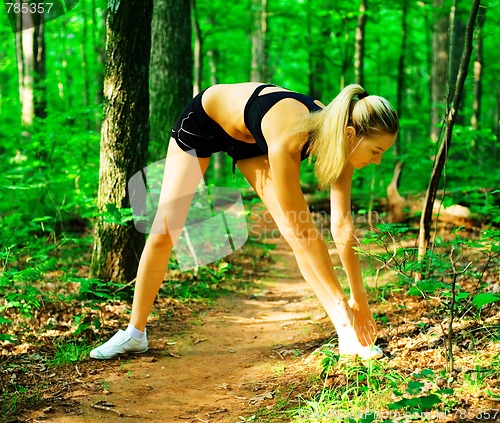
195	130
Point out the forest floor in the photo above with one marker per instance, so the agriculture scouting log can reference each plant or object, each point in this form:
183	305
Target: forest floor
252	356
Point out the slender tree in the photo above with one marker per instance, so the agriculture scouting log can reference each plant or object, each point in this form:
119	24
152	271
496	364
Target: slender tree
458	18
425	221
395	201
402	62
402	71
30	47
259	70
171	69
98	41
85	59
359	56
439	79
124	136
198	50
478	70
319	34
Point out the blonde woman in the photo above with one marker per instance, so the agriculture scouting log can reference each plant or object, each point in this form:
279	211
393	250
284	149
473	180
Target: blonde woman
268	131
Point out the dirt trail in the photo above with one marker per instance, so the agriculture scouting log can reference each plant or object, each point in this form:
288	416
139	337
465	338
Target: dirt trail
221	369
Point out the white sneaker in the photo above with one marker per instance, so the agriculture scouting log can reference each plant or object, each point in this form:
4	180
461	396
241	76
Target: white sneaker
370	352
120	343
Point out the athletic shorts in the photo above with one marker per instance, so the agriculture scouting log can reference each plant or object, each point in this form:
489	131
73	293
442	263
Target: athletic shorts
195	130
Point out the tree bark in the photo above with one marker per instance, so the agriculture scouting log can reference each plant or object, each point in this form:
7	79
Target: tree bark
198	51
439	80
425	222
478	70
171	81
98	41
124	135
318	42
218	165
85	61
395	202
402	71
30	48
359	56
458	18
259	70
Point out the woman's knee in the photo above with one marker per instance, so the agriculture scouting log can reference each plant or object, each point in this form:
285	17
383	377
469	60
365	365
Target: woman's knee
160	241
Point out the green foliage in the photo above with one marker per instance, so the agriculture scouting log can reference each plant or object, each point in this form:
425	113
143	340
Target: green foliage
96	289
422	394
69	352
441	266
207	282
356	392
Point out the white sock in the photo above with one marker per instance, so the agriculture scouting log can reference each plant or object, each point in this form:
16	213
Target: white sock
135	333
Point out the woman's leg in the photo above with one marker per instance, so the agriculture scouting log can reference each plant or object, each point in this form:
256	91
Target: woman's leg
257	172
182	175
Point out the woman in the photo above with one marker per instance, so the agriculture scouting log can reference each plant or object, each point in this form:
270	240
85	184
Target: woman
268	130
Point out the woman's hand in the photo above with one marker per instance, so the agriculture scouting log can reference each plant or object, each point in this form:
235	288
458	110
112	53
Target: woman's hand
364	323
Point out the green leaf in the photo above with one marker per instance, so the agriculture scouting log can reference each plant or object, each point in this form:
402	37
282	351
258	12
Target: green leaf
415	387
485	298
42	219
368	418
446	391
4	321
429	401
404	403
5	337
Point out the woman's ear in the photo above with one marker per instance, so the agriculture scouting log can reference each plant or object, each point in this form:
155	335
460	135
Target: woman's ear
351	134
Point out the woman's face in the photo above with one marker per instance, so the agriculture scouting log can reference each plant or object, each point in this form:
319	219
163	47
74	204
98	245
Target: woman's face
365	151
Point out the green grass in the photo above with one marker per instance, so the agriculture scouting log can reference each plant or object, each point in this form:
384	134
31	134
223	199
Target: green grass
69	352
354	392
16	400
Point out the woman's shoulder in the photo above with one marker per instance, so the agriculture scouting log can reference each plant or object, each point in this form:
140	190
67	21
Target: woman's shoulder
237	89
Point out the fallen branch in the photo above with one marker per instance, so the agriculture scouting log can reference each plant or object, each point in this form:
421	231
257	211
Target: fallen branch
98	406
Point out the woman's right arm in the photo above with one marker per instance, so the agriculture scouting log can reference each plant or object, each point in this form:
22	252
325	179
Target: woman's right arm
343	232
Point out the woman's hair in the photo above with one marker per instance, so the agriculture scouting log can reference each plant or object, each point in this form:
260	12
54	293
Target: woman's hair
327	128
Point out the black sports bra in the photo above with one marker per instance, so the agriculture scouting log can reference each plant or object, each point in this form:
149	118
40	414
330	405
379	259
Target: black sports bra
258	105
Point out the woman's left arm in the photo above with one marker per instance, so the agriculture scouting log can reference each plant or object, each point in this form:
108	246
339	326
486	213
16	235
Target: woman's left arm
343	231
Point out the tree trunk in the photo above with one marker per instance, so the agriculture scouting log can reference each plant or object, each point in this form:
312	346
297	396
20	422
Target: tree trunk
124	136
98	40
402	71
359	56
439	80
259	70
218	165
458	18
425	222
85	62
40	73
478	70
171	70
198	51
30	47
395	202
347	57
318	76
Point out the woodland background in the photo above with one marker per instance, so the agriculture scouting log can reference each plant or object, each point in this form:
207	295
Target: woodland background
109	79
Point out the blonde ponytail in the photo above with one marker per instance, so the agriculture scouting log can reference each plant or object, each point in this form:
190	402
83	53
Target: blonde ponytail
327	129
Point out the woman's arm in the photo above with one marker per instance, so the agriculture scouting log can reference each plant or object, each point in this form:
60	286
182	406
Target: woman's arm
285	168
284	148
343	229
